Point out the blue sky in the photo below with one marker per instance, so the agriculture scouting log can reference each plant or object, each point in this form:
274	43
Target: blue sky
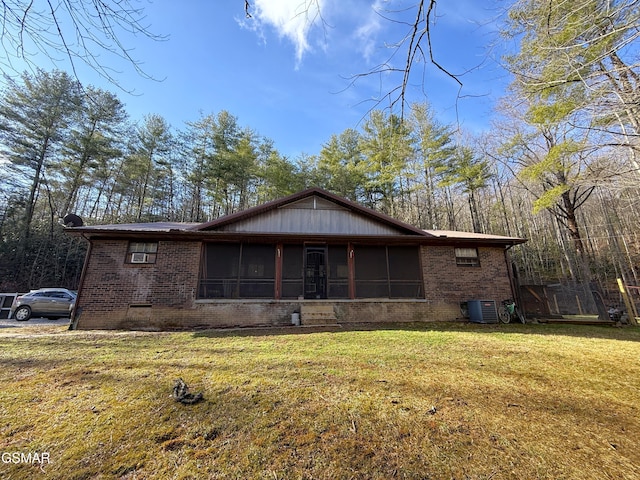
291	80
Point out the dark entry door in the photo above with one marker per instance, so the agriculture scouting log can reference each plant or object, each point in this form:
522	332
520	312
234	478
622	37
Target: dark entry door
315	272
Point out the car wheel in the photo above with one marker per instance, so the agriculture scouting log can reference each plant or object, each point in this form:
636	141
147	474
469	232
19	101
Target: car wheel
22	314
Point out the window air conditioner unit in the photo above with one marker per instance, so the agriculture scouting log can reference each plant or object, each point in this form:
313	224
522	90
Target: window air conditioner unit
139	257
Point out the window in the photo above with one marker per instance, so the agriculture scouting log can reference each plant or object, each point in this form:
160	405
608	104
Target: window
257	271
292	271
338	280
467	257
62	295
142	252
237	271
388	272
219	277
372	280
405	280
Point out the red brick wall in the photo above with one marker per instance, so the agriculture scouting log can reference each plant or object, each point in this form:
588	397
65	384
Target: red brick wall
446	282
111	285
117	295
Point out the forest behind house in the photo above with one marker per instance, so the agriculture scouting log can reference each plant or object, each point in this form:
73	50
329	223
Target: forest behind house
559	167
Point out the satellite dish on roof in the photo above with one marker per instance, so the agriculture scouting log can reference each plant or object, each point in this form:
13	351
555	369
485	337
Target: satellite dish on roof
71	220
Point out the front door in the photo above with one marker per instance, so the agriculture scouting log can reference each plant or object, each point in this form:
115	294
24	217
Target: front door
315	272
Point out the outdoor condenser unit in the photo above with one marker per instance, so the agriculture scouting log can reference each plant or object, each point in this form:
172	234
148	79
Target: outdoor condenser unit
482	311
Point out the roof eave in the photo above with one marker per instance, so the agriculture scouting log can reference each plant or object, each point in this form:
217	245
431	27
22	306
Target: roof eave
194	235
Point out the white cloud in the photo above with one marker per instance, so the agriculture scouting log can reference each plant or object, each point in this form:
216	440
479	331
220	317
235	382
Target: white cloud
292	19
361	23
367	33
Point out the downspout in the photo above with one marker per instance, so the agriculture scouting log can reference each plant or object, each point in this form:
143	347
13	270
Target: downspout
75	313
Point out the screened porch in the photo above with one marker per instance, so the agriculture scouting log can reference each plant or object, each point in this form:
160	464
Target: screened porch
309	271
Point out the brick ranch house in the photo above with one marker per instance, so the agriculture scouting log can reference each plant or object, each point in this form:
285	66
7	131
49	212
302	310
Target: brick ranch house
313	253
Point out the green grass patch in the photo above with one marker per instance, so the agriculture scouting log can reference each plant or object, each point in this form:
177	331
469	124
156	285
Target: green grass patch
455	401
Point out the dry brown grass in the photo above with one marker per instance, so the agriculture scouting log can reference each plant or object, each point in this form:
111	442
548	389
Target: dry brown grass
435	401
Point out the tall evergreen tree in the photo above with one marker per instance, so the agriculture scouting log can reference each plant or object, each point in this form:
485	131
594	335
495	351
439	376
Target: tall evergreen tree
434	149
471	174
387	146
148	168
95	139
341	165
35	116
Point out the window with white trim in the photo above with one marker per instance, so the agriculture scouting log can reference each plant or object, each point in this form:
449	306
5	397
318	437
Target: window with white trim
142	252
467	257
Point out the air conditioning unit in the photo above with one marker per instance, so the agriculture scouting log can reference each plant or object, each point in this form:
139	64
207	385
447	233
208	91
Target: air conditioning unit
139	257
482	311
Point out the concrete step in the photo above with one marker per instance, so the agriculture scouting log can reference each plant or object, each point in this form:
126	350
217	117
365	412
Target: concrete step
317	314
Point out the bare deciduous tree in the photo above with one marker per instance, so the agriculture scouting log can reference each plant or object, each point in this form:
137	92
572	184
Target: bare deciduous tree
414	48
75	32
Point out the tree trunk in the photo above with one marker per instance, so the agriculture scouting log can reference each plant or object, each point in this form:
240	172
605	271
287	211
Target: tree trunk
473	208
75	181
35	185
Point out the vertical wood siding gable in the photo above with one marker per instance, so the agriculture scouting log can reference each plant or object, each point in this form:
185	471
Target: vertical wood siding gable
308	220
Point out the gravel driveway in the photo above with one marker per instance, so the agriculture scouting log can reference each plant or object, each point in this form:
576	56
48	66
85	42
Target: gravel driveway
7	323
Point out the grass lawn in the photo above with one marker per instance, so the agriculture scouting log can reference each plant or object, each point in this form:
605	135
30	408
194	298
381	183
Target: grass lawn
430	401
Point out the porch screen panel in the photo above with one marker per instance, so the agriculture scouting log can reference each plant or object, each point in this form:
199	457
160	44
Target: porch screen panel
372	279
219	277
338	272
405	280
292	271
257	271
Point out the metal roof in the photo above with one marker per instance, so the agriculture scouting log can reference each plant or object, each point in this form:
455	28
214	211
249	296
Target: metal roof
136	227
218	228
470	235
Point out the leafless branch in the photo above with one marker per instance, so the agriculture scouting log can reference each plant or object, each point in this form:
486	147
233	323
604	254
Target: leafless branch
412	45
79	30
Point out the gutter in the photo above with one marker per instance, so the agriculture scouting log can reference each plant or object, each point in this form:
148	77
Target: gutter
268	237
